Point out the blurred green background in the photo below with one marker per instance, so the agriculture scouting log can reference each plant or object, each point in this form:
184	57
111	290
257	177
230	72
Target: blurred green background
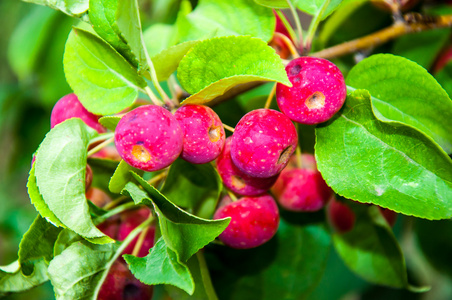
32	80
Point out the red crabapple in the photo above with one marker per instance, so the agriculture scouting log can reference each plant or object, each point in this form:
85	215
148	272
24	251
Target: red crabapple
277	42
203	133
149	138
341	217
318	90
301	190
262	142
120	284
70	107
254	221
237	181
129	221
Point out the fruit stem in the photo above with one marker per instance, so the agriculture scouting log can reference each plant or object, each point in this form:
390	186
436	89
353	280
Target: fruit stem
101	145
232	196
227	127
115	211
270	97
313	26
132	235
205	276
411	24
299	39
157	178
286	23
152	96
139	242
176	91
288	43
115	202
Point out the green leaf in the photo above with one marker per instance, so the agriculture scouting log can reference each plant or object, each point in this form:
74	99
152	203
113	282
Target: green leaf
103	80
193	186
167	61
118	23
70	7
225	18
289	266
13	281
64	240
158	37
77	272
444	77
422	47
60	175
110	122
214	66
37	244
121	176
273	3
38	201
313	7
371	250
183	233
432	238
25	45
403	91
161	266
385	163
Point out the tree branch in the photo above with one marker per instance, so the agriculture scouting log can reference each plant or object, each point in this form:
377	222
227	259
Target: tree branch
413	23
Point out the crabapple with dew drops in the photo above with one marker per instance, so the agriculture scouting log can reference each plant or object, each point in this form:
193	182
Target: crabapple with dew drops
149	138
203	133
254	221
262	142
237	181
70	107
318	90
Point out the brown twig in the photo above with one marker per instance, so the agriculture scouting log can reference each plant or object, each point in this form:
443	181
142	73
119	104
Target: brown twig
413	23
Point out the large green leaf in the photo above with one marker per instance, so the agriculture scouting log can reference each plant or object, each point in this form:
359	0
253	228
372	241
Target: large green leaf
118	23
371	250
74	8
13	281
193	186
313	7
60	175
273	3
37	244
183	233
405	92
385	163
289	266
444	77
102	79
77	272
161	266
167	61
224	18
121	176
214	66
158	37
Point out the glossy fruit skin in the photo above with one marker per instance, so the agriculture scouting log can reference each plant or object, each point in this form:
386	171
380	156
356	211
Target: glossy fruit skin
254	221
70	107
149	138
237	181
341	217
318	90
204	134
262	143
120	284
302	190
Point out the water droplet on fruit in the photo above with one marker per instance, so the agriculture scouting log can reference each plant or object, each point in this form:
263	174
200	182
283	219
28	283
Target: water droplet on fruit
315	101
140	153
